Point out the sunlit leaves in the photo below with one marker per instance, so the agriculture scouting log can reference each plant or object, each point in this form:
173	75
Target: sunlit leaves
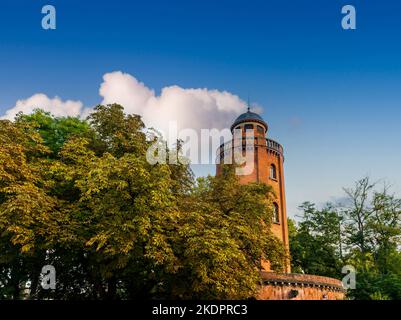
82	196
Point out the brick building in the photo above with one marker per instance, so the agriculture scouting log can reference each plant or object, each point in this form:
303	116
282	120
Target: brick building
266	156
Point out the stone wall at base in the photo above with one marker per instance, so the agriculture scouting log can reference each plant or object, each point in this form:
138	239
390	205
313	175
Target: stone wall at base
290	286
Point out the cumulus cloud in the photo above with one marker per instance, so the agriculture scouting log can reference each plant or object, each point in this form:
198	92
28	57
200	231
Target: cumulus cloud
194	108
190	108
175	110
54	105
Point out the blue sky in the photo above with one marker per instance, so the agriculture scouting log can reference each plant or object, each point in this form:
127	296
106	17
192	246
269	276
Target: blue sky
331	97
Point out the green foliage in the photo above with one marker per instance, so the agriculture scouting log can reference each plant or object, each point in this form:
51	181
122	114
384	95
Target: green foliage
226	233
82	197
379	296
53	131
365	232
315	243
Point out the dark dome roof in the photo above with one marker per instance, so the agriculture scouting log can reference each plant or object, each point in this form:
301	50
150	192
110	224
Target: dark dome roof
249	116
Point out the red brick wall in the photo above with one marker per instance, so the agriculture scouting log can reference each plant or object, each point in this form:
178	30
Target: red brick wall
299	287
263	159
284	286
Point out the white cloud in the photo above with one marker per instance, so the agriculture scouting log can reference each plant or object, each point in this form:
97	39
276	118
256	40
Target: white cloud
195	108
191	108
54	105
182	108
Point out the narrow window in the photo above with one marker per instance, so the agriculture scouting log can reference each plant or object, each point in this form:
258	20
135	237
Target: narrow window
260	129
273	172
276	213
248	126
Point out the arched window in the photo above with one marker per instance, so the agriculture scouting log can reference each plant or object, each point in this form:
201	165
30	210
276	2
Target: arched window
273	172
276	213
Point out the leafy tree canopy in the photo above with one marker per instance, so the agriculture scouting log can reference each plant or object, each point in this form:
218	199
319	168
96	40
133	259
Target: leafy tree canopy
364	231
81	196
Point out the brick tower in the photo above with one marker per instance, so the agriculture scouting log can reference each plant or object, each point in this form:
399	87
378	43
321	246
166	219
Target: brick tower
268	168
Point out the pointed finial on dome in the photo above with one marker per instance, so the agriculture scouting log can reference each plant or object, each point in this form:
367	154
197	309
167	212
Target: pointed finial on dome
249	104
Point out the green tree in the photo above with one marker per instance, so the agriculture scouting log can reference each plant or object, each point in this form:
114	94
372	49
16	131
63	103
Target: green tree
315	244
225	234
54	130
364	231
82	197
